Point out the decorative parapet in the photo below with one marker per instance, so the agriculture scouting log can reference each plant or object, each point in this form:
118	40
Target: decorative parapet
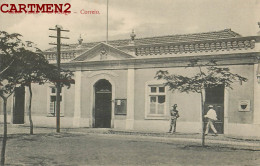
64	55
198	46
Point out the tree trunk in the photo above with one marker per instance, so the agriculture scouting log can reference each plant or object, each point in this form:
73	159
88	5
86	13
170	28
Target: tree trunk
202	116
5	133
30	110
202	111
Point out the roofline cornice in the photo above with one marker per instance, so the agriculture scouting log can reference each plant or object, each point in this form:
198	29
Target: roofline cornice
256	38
164	62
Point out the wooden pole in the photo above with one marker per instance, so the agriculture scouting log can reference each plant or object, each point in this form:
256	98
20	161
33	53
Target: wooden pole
107	23
58	83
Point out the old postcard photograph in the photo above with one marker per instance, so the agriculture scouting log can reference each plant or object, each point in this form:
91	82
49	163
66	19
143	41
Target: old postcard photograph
130	82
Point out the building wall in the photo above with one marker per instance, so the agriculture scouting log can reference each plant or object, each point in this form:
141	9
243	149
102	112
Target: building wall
40	105
241	92
39	99
89	78
190	116
189	111
69	100
189	105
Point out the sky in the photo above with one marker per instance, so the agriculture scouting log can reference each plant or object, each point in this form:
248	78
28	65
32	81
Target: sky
147	17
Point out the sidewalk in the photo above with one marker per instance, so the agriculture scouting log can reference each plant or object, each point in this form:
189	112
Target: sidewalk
169	135
250	143
245	142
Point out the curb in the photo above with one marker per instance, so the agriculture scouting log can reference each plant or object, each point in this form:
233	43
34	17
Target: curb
234	144
252	143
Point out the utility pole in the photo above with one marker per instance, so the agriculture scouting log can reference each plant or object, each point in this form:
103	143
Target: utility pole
107	24
58	28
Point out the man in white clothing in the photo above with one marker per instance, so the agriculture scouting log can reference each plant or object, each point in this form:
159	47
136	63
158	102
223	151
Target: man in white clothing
211	117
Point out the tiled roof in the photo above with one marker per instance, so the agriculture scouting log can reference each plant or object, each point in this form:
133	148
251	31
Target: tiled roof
227	33
223	34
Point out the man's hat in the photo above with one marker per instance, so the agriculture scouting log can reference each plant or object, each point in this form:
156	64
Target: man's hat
210	106
175	105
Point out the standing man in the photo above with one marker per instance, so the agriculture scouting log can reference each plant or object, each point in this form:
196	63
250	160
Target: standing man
174	116
211	117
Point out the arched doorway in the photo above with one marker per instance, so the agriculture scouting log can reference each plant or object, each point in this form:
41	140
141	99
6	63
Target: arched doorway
103	104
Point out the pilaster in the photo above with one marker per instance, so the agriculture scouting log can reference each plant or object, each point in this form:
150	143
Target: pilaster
226	106
77	106
130	99
256	112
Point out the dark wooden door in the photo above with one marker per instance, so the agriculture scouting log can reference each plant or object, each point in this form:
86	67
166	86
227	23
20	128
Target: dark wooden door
103	110
103	104
18	107
215	96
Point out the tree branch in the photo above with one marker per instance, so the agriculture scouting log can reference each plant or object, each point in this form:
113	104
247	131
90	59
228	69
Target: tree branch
7	67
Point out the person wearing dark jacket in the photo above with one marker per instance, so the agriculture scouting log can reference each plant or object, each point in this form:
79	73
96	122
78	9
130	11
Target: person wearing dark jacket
174	116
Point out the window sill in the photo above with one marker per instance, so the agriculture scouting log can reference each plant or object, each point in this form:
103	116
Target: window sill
54	116
156	117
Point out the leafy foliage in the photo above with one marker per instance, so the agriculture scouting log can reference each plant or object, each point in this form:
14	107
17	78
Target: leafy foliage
36	69
22	63
212	77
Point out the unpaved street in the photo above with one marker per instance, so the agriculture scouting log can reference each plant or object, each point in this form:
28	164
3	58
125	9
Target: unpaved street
97	149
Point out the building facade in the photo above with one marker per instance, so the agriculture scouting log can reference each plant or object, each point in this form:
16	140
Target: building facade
115	85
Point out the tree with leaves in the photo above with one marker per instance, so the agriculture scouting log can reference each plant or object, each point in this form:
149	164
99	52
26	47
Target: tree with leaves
213	76
10	74
9	46
36	69
21	65
8	81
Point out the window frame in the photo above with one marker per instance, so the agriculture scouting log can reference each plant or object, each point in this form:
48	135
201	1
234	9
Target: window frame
49	95
148	94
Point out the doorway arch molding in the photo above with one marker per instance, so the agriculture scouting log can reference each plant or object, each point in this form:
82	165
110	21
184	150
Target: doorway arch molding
95	79
102	73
